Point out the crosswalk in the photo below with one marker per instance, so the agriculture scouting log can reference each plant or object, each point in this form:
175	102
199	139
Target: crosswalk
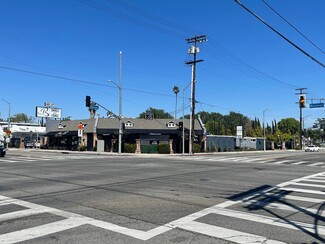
208	158
38	158
242	159
290	212
294	207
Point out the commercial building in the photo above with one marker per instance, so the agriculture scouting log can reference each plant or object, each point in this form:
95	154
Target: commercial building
24	134
148	132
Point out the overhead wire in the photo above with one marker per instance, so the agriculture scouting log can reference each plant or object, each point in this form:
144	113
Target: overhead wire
304	36
279	34
232	60
129	18
214	49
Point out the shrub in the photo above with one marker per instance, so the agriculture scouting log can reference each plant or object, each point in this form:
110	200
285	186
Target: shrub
196	148
163	149
129	148
83	148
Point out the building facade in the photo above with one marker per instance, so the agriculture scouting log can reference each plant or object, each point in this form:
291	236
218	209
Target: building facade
148	132
24	134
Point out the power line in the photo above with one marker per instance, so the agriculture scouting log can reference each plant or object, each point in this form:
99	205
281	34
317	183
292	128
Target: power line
304	36
152	17
216	50
278	33
129	18
238	64
81	81
50	76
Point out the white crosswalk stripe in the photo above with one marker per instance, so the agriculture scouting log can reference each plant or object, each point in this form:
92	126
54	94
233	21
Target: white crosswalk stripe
241	159
21	159
300	162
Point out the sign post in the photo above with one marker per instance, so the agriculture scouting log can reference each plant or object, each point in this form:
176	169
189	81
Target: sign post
80	129
80	133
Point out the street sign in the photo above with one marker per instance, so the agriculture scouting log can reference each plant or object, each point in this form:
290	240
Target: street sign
316	105
80	132
46	104
80	126
94	107
240	131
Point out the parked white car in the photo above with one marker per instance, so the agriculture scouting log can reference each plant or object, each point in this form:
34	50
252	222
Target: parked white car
311	148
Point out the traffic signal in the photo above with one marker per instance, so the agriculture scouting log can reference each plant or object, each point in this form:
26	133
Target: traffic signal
87	101
180	125
302	101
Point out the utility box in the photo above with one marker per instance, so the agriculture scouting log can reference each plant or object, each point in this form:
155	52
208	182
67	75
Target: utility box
100	145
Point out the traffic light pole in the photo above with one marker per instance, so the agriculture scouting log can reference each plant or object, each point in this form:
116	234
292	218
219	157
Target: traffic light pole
302	104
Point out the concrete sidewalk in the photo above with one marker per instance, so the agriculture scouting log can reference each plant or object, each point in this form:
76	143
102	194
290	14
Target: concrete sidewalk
142	154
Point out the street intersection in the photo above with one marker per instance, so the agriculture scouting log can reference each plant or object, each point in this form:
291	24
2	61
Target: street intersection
272	197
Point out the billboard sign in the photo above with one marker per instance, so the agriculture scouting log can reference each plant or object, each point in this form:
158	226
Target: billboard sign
46	112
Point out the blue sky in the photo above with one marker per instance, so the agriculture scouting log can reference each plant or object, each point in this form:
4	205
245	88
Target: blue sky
247	68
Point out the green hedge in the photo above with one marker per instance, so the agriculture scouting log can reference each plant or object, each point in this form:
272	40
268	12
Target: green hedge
196	148
129	148
163	149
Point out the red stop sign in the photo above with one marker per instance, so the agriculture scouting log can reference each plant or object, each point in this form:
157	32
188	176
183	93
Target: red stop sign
80	126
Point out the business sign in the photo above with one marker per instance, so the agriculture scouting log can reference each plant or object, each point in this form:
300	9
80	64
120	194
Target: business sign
240	131
316	105
46	104
46	112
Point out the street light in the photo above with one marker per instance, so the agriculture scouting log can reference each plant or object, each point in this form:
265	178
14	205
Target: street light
120	106
119	116
264	143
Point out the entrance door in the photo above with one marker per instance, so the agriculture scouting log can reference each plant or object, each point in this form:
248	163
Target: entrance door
90	142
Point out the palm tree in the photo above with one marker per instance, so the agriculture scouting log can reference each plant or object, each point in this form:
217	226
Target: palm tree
176	91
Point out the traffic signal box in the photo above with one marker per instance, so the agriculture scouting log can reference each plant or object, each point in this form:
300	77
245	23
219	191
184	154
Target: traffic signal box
87	101
302	101
180	125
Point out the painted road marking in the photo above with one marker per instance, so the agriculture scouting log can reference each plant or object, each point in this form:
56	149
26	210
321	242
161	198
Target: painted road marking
283	206
187	223
300	162
283	161
316	164
39	231
226	234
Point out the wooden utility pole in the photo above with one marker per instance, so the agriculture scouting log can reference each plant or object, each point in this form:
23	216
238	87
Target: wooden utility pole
193	50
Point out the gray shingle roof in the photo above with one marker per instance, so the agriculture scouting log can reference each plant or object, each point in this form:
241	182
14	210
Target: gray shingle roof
113	124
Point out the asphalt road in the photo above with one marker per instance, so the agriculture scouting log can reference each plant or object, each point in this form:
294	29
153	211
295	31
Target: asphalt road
255	197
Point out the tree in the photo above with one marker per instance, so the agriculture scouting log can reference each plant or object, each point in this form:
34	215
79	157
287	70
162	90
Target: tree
21	117
232	120
289	125
158	114
176	91
320	123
